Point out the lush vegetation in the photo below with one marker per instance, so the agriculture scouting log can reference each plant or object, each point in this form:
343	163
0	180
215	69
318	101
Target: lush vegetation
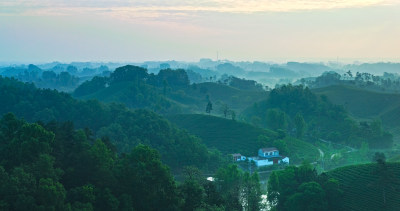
369	186
125	128
388	82
229	136
301	188
224	134
134	87
118	158
54	167
372	186
364	103
169	91
304	114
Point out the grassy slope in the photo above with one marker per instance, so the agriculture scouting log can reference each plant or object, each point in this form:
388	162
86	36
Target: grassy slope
232	136
236	99
395	159
226	135
361	103
109	94
361	193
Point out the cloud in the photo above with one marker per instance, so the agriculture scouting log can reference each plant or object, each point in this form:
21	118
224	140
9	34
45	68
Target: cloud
181	6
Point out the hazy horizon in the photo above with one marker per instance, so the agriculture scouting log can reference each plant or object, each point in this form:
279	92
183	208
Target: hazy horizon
137	31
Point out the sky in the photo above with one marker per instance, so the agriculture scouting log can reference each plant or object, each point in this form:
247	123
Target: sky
187	30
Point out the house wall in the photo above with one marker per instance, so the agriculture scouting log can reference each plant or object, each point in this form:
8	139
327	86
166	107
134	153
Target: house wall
284	160
263	163
268	154
260	153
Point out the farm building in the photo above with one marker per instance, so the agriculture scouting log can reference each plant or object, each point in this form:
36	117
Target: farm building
268	152
269	156
238	157
266	157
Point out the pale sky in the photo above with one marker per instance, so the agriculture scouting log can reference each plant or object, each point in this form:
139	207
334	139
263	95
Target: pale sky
187	30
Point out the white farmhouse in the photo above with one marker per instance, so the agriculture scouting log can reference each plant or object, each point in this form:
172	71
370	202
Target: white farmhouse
269	156
268	152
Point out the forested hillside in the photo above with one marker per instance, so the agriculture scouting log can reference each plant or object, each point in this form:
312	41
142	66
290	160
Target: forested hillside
302	188
125	128
55	167
169	91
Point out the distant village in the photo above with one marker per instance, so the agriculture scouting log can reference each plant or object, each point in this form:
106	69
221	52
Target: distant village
266	157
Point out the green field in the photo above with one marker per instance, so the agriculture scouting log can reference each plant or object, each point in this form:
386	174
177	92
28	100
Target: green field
230	136
195	97
360	102
226	135
234	97
361	189
395	158
109	94
367	105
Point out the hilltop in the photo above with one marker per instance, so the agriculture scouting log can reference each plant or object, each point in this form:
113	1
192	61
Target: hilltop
169	91
304	114
360	102
366	105
125	128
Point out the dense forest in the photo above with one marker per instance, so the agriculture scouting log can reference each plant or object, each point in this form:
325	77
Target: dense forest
124	127
55	167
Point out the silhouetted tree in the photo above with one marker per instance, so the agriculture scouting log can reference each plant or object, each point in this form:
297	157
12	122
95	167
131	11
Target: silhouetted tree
209	107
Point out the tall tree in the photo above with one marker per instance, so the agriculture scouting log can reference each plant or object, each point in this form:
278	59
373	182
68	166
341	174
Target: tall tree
300	125
386	179
225	109
251	191
310	196
276	119
147	180
273	189
228	179
209	107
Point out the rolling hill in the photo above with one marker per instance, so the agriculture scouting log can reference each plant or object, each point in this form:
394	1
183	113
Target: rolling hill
124	127
291	107
168	92
361	103
362	190
235	98
230	136
367	105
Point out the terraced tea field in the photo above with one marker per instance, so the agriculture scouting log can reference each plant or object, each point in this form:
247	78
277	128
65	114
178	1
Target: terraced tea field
362	191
